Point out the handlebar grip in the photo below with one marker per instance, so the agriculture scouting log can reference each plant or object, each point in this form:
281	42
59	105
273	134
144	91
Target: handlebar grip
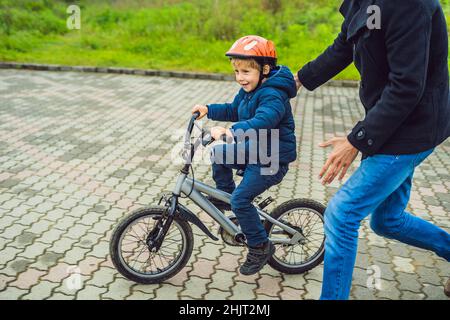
195	115
223	138
206	138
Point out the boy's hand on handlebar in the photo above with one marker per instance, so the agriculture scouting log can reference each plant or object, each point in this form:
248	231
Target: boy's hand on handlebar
217	132
200	108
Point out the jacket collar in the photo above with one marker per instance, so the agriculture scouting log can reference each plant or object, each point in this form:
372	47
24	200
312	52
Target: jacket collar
355	12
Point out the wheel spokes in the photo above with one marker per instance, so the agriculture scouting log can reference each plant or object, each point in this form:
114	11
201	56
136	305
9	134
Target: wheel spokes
135	251
310	223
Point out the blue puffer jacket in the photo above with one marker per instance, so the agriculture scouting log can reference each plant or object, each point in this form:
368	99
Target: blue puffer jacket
268	107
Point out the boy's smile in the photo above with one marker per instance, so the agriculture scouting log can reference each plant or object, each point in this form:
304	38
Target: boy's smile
247	77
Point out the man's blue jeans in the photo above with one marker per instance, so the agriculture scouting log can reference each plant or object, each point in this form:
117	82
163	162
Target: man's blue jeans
381	186
253	184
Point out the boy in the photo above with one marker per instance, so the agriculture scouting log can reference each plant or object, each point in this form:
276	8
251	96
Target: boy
262	104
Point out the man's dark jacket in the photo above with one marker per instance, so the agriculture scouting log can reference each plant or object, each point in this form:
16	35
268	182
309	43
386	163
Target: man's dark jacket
404	74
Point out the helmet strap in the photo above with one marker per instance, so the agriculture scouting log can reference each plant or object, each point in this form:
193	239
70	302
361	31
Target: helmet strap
262	76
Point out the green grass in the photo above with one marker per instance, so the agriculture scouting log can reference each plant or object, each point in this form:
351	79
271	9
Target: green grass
171	35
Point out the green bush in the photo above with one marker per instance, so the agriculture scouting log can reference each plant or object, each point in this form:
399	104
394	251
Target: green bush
166	34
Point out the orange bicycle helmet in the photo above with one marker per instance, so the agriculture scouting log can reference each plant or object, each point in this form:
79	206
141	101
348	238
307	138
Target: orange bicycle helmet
254	47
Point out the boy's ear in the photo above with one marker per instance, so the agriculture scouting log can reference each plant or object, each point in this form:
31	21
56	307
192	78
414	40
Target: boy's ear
266	69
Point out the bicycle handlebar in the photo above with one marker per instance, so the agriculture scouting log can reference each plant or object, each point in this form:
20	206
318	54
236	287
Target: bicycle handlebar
206	136
195	115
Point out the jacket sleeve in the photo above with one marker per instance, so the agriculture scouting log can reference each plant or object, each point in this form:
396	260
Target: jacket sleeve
332	61
407	44
269	113
225	111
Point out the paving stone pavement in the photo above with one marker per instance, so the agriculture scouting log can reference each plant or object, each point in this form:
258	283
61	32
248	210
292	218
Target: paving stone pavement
78	151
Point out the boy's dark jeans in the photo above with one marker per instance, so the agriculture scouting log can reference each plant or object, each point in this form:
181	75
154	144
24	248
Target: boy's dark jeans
253	184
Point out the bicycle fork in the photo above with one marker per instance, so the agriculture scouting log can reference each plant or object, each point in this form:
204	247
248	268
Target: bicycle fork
156	237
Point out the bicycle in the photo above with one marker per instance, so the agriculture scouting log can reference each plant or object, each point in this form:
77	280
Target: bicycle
159	239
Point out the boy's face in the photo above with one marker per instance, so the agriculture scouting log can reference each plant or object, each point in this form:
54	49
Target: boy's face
246	76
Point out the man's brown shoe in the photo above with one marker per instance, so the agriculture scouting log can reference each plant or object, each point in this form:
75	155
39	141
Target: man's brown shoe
447	288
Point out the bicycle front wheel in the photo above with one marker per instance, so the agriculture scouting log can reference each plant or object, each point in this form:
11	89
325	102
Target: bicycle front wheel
131	255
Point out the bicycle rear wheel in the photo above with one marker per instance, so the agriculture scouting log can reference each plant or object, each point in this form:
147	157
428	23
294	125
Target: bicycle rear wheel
307	217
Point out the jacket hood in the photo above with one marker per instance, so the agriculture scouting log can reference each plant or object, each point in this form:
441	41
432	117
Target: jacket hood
282	79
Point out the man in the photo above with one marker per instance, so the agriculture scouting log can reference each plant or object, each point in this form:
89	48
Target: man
405	92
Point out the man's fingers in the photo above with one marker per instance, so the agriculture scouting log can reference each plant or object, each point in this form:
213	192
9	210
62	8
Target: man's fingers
325	167
328	142
328	168
329	174
335	172
344	171
325	144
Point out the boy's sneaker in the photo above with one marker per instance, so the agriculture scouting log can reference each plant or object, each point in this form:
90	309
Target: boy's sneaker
219	204
257	257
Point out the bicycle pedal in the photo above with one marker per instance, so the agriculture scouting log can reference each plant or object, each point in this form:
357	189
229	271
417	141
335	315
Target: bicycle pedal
265	202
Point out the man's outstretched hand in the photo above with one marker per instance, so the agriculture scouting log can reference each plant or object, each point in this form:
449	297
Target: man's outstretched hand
340	159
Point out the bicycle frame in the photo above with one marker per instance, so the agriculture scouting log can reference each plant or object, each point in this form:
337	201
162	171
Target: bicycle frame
193	190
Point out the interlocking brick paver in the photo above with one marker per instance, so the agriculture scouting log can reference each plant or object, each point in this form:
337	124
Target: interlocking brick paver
119	289
429	275
434	292
40	227
60	296
203	268
313	289
40	291
63	244
9	253
75	254
139	295
403	264
147	289
169	292
51	235
57	273
102	277
268	285
363	292
290	294
34	250
12	293
77	232
180	278
27	279
409	282
408	295
195	287
228	262
4	280
243	291
67	181
222	280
